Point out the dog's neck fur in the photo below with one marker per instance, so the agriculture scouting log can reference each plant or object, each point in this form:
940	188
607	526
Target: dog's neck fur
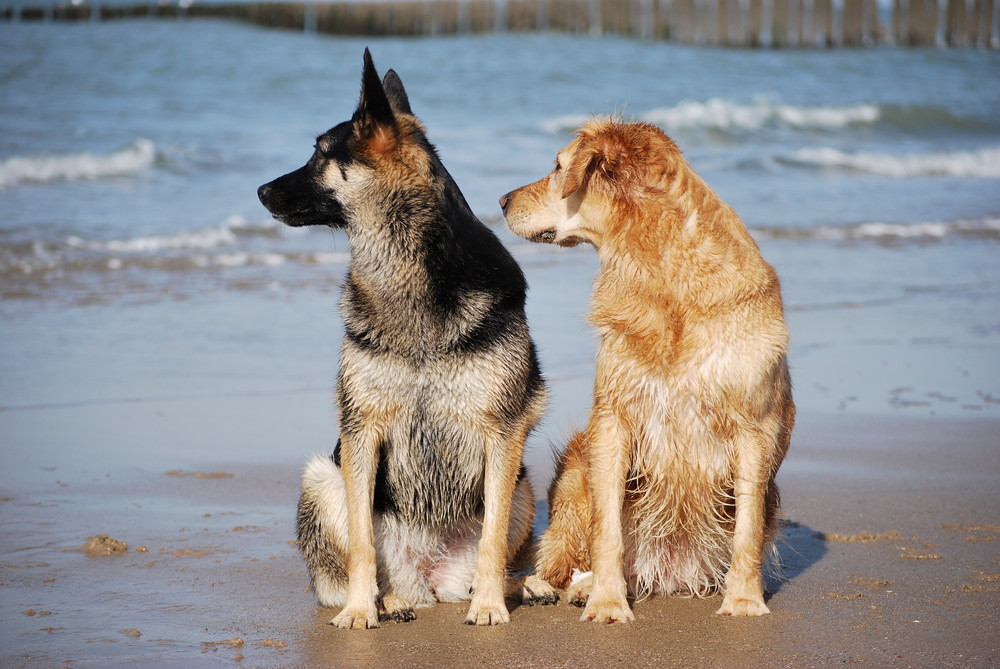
671	243
415	272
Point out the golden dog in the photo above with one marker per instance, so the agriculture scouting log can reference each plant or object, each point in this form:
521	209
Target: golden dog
670	488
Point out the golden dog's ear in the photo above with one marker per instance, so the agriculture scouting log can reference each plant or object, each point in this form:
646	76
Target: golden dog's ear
576	173
605	154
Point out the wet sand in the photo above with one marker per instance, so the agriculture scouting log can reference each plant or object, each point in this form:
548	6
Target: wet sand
889	552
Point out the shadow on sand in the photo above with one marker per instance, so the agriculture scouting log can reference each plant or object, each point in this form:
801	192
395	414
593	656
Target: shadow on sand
798	547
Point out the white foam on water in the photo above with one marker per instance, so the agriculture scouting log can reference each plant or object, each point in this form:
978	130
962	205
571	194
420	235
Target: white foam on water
227	234
987	227
136	157
721	114
982	163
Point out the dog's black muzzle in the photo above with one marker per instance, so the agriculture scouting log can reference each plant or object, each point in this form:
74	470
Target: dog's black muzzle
295	200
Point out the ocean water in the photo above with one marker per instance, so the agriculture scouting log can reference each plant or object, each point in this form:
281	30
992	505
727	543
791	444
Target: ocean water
137	266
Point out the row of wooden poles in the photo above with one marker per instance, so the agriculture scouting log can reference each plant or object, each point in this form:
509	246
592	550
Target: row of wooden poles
737	23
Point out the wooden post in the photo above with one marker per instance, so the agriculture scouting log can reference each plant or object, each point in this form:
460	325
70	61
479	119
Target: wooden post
898	22
983	12
738	34
803	26
928	35
954	23
779	24
873	24
852	22
721	27
755	23
822	23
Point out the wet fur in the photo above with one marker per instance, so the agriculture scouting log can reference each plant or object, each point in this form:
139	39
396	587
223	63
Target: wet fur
425	497
670	488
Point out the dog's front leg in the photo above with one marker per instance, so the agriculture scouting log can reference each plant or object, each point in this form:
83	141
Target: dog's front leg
608	465
744	581
503	459
359	454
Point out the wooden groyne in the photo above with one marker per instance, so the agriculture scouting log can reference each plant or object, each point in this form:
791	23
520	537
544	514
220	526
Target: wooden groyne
734	23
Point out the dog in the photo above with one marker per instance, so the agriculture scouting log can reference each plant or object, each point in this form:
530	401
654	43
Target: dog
670	488
425	497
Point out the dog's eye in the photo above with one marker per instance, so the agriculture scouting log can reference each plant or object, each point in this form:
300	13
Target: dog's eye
558	165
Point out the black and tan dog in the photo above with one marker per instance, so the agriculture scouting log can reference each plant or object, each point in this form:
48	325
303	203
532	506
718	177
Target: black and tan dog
425	498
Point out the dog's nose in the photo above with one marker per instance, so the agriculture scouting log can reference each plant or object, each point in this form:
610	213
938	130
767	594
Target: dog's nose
504	201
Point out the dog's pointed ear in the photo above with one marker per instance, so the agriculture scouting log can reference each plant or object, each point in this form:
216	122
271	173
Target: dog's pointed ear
393	87
373	107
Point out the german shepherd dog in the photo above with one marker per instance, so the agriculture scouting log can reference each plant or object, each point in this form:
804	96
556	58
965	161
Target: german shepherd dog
425	497
670	488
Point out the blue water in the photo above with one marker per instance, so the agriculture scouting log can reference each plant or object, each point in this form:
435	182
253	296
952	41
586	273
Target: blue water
136	261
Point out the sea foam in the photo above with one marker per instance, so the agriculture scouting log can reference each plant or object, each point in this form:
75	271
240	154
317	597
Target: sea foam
986	228
728	115
982	163
136	157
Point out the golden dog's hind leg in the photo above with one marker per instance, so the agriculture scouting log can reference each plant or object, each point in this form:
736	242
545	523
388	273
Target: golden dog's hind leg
744	582
565	545
608	467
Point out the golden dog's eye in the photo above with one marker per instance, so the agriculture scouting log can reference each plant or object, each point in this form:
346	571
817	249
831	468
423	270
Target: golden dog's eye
558	165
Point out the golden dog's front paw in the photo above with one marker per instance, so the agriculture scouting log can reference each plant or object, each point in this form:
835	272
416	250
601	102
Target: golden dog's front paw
537	590
743	606
356	618
607	612
482	612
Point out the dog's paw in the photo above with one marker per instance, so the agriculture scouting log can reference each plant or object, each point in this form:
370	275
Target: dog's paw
579	588
537	591
743	606
610	611
487	613
356	618
395	609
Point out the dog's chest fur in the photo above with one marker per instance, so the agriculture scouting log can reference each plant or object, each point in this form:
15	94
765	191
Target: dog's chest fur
431	463
435	358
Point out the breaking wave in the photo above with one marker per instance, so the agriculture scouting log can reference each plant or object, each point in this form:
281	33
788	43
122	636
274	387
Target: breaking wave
726	115
136	157
763	113
985	228
982	163
232	244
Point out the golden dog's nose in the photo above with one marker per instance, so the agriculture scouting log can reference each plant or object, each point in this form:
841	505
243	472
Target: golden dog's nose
504	201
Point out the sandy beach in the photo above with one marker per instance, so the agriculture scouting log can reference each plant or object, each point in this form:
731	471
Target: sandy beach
888	558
